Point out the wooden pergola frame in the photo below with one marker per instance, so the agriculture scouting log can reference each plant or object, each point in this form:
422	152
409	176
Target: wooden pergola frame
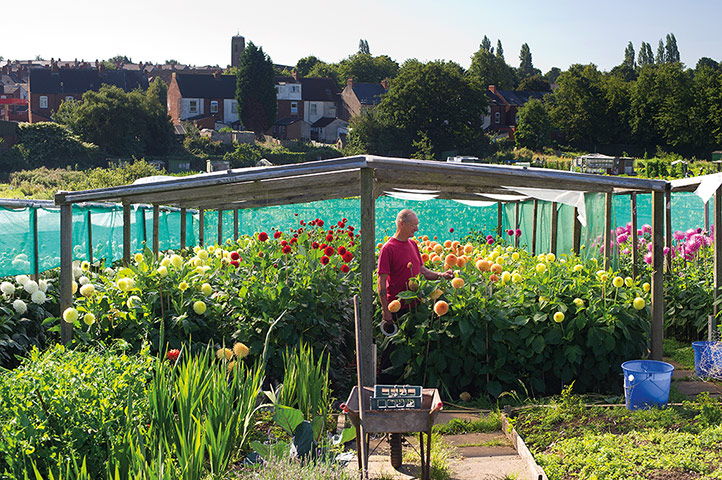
367	177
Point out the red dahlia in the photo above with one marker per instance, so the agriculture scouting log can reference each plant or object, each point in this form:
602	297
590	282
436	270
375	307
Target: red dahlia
234	263
235	256
277	234
263	236
287	249
328	251
319	222
329	238
173	355
344	268
314	245
347	257
341	250
325	260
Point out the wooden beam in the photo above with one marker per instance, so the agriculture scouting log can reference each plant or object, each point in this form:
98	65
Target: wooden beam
607	229
156	229
201	227
516	224
235	224
220	226
66	270
668	228
90	238
368	264
36	247
183	228
499	211
145	228
126	233
657	308
576	231
633	234
534	226
290	198
717	240
706	217
555	220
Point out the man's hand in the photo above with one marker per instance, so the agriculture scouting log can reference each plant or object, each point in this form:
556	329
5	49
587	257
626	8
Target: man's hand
388	317
448	275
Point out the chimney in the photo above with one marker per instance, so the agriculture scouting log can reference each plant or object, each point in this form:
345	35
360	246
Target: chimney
101	68
349	82
492	88
76	62
96	64
385	83
53	65
294	74
217	74
5	69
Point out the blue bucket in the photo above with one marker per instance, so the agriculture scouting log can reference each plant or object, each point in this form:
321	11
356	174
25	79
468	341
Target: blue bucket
646	383
708	359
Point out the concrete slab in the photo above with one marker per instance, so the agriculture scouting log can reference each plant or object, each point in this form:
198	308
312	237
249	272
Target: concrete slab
694	388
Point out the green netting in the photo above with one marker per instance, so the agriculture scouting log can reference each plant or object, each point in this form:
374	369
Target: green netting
437	218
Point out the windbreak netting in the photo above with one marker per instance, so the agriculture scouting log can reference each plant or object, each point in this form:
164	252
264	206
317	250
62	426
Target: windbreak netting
437	218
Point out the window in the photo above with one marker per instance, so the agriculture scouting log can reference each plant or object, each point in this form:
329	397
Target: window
43	102
314	109
294	88
294	107
214	106
234	107
193	106
332	111
497	118
69	98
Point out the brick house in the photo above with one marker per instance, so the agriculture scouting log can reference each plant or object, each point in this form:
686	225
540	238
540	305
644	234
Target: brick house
206	100
47	89
503	108
357	97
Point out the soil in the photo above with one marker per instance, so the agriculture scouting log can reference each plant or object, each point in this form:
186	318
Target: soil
673	475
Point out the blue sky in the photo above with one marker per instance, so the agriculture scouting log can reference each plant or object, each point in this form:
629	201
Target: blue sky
559	33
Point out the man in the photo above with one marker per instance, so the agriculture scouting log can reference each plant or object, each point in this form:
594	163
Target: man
400	260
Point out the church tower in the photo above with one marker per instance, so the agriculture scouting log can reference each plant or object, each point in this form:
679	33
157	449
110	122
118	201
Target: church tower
238	44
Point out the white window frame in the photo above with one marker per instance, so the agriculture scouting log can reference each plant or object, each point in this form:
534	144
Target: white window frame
193	106
234	107
497	118
332	111
214	106
294	107
43	102
314	109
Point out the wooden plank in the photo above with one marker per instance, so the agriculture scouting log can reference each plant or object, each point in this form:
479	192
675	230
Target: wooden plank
289	199
183	228
156	229
607	229
576	231
145	227
66	269
235	224
201	227
90	238
657	320
555	220
368	265
36	247
706	217
516	224
499	211
535	213
126	233
519	445
717	240
220	226
633	233
668	229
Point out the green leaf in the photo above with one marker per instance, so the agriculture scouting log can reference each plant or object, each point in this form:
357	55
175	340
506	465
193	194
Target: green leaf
538	344
317	423
287	418
303	438
346	435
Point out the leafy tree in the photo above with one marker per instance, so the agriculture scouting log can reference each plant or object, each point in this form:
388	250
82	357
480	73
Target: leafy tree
671	53
706	62
534	83
158	90
304	65
526	67
534	126
422	147
255	90
645	57
362	67
707	88
489	69
485	44
660	58
171	62
629	57
120	123
552	75
375	133
450	121
363	47
326	70
499	50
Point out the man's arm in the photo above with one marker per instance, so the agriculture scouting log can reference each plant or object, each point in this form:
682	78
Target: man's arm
388	318
431	275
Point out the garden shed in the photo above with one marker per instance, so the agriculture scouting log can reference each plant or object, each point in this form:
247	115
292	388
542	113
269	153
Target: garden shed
369	177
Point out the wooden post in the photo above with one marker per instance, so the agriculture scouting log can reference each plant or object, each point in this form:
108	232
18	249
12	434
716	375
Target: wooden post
607	229
156	228
183	228
533	231
36	248
90	238
201	227
576	231
553	239
220	227
498	219
516	224
368	264
126	233
717	222
235	224
66	269
145	229
633	234
706	217
657	321
668	227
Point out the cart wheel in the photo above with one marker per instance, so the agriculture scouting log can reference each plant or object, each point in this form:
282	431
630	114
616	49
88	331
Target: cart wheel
396	451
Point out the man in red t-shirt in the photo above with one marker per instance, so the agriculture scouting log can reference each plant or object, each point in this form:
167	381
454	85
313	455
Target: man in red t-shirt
400	260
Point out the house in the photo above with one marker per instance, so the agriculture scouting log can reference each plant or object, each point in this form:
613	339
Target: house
604	164
206	100
307	109
358	97
504	106
48	88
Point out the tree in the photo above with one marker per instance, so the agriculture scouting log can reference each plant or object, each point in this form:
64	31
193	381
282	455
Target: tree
526	67
255	90
499	50
645	57
375	133
122	124
485	44
671	53
534	126
629	57
489	69
552	75
362	67
534	83
363	47
326	70
304	65
660	58
452	120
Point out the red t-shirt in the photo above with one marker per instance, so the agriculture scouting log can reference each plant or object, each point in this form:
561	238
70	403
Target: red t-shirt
394	259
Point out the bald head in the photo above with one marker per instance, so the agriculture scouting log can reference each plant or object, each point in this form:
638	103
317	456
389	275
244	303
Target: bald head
407	224
405	216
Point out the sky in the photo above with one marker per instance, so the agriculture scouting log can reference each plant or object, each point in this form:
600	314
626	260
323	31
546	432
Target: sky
559	33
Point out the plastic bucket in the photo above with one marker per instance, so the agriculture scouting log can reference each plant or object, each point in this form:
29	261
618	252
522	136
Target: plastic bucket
708	359
646	383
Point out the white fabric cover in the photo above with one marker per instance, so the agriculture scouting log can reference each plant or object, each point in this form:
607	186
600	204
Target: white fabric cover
574	199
